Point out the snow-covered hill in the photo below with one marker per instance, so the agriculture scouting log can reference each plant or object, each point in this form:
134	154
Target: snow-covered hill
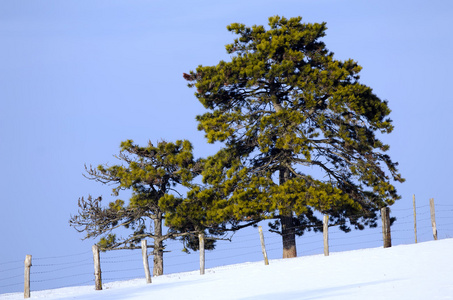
420	271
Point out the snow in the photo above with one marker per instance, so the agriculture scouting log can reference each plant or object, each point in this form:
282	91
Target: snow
418	271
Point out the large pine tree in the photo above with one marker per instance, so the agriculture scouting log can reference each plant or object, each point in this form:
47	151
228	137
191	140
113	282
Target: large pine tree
300	134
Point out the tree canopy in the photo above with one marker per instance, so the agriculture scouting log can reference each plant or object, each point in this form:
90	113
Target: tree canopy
300	134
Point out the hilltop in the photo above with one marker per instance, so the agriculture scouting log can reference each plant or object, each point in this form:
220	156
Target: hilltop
418	271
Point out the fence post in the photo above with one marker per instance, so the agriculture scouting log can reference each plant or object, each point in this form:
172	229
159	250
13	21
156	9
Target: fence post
201	248
325	233
415	219
263	246
433	218
385	214
97	268
145	261
27	265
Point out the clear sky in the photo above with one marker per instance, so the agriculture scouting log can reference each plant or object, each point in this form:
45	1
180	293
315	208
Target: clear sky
77	77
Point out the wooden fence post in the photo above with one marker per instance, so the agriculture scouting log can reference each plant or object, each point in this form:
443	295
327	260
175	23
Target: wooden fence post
433	218
263	246
415	219
201	248
385	214
325	232
145	261
27	265
97	268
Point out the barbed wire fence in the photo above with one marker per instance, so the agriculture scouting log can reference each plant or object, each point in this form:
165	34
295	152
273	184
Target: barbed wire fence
48	272
77	269
11	275
62	271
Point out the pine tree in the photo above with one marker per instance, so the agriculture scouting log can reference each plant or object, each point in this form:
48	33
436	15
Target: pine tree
299	133
152	173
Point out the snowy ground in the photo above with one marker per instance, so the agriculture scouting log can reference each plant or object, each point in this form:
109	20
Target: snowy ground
420	271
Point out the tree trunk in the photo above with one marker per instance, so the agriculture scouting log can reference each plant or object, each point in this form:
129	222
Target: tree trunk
158	267
286	219
288	236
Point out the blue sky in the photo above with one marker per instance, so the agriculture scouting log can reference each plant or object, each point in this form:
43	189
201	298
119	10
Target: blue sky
77	77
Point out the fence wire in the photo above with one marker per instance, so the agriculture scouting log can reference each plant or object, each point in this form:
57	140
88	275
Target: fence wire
77	269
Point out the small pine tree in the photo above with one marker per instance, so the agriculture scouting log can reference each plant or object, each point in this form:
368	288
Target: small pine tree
153	174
